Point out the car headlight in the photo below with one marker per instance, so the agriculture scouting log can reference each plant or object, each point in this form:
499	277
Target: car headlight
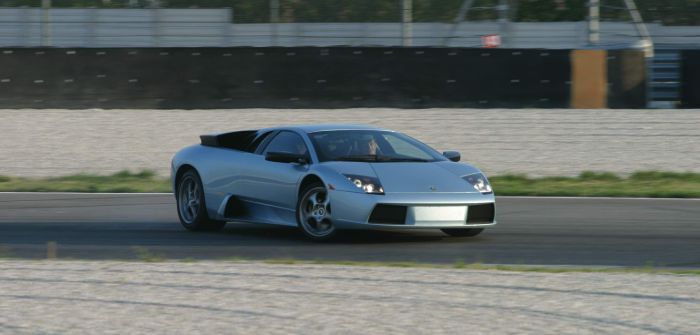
479	182
368	184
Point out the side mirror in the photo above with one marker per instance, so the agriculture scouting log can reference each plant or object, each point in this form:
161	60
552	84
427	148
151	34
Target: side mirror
286	157
454	156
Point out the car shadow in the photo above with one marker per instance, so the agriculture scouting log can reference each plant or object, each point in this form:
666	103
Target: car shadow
292	234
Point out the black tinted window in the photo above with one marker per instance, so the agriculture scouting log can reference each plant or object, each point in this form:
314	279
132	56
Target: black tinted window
287	142
254	146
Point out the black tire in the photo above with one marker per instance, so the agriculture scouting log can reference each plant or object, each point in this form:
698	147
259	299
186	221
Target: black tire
194	216
301	213
462	232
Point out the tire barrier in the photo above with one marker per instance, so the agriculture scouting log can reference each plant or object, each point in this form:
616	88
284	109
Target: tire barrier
276	77
627	79
608	79
690	78
282	78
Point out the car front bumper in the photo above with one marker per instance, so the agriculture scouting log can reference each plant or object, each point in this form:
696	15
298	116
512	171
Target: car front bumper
352	210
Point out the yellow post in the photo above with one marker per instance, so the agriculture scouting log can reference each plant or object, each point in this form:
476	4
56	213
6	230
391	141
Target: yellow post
589	79
51	250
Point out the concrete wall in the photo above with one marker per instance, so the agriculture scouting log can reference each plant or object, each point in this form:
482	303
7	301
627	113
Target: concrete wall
92	27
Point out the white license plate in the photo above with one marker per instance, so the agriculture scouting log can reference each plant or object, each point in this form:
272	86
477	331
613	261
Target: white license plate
439	213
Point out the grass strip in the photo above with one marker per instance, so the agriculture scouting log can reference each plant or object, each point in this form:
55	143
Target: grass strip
652	184
120	182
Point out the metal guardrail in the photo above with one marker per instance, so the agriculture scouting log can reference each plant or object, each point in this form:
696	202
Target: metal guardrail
164	27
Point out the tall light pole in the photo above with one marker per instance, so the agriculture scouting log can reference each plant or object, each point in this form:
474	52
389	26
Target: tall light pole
504	21
406	23
461	15
45	23
647	43
593	22
274	11
274	19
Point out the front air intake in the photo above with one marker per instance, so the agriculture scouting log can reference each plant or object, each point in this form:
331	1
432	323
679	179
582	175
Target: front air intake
388	214
483	213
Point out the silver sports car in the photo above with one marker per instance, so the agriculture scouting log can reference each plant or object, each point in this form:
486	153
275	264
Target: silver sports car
323	178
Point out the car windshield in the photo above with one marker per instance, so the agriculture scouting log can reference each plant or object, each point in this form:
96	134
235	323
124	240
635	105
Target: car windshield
370	146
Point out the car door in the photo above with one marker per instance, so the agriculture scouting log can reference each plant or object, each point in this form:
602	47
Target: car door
273	183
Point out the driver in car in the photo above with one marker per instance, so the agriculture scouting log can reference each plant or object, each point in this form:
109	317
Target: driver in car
369	147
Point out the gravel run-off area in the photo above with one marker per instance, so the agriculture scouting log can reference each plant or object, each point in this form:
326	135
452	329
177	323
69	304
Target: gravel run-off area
80	297
538	142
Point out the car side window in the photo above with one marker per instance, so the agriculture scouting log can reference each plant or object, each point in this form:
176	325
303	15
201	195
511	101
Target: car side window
287	142
253	147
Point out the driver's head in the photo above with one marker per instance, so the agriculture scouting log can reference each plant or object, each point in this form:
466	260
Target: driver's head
372	146
367	145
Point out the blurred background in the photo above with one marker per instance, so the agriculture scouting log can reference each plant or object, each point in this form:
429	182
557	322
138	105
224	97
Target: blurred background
133	53
529	91
649	55
462	23
321	56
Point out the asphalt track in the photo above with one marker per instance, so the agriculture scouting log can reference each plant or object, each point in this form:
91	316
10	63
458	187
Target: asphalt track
546	231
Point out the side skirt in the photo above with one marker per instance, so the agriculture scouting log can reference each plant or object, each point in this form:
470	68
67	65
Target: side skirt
236	209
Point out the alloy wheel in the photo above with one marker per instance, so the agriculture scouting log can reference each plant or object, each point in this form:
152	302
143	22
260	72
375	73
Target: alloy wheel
315	213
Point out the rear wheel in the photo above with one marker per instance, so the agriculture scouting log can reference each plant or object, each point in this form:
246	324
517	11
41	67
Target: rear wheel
191	207
314	213
462	232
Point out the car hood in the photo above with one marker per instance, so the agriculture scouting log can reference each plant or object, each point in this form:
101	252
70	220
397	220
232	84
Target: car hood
433	177
407	177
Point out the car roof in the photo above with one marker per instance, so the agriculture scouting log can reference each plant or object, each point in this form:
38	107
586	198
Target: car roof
313	128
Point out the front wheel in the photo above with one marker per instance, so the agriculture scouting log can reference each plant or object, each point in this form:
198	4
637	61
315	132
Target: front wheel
191	208
462	232
314	215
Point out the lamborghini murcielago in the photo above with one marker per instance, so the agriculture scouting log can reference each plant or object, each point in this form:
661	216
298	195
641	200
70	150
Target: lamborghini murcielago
326	178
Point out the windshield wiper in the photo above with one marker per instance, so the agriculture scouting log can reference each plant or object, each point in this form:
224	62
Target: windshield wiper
357	158
411	160
402	159
377	158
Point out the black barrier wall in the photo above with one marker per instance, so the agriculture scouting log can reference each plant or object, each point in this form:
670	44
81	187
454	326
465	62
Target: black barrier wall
283	77
626	79
690	78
